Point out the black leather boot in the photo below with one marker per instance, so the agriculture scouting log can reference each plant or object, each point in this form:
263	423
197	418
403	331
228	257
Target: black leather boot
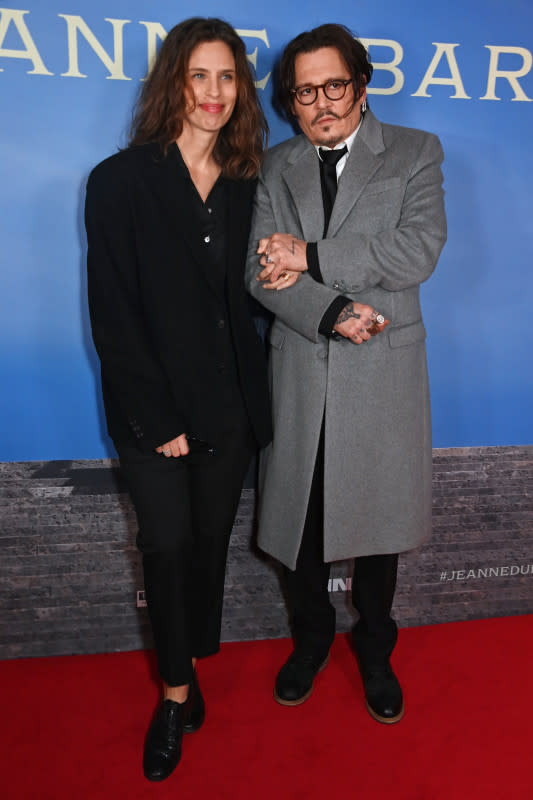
294	683
383	693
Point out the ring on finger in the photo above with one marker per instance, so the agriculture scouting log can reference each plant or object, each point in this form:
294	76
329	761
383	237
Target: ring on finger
284	275
166	452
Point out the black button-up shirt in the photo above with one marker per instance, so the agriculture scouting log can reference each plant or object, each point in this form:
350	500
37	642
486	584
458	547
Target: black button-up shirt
212	225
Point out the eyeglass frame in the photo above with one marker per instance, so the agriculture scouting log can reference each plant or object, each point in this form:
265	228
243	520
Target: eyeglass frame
316	87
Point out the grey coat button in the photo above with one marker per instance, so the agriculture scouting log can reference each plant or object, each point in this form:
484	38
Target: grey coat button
336	285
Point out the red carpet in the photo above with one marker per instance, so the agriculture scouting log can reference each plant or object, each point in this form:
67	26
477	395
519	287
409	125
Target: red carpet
73	727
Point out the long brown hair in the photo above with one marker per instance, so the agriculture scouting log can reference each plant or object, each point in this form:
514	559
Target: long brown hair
160	109
351	50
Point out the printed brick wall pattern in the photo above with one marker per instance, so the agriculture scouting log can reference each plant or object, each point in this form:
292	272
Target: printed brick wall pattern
70	572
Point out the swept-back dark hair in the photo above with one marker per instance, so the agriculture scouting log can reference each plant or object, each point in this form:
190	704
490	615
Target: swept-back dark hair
351	50
160	109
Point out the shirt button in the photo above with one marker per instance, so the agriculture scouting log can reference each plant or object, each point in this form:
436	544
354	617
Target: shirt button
221	367
207	239
221	323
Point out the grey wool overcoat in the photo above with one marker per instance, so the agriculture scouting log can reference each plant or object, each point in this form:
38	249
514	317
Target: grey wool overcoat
385	235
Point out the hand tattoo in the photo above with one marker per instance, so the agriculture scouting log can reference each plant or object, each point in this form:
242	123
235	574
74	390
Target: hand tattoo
347	313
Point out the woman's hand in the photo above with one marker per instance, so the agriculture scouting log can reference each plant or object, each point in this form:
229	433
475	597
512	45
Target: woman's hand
175	448
286	278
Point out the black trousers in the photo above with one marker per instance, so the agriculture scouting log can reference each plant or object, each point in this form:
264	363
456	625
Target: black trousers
185	510
373	586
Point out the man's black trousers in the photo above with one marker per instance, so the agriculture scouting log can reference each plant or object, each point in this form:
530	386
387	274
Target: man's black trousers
373	585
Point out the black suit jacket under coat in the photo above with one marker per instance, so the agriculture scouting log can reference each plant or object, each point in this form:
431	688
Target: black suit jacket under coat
155	310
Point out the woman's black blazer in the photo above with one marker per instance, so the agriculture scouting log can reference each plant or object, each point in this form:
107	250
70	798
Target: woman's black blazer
156	313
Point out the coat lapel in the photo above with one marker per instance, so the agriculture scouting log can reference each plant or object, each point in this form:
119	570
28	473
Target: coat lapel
366	157
236	221
302	177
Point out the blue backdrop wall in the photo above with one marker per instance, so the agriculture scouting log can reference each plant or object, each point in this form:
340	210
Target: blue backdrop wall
69	73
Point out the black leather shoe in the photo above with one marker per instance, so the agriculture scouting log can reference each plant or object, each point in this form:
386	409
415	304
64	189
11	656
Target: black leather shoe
383	693
294	683
162	748
194	707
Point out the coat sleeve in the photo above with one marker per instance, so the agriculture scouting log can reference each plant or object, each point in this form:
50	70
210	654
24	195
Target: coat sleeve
131	370
398	257
303	305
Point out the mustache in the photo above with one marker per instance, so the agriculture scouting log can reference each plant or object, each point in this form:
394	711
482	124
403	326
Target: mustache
324	114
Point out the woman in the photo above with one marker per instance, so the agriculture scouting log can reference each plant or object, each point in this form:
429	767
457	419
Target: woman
183	372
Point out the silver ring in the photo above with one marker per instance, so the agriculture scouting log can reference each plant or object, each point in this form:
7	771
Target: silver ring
379	319
167	452
268	259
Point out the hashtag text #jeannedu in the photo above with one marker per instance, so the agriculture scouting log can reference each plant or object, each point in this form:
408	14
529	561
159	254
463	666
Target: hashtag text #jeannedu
486	572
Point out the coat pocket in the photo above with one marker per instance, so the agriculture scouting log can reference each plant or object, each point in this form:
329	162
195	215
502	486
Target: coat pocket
276	338
377	187
407	334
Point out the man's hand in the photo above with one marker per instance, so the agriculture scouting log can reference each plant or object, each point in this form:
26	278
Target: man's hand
358	322
176	448
281	252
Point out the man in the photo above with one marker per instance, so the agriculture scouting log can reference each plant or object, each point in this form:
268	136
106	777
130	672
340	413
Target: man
348	473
